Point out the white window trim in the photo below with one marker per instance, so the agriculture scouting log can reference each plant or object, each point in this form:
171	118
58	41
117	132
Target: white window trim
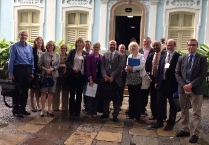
15	18
89	10
197	19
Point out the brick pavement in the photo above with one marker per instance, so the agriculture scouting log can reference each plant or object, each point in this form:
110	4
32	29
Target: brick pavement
64	130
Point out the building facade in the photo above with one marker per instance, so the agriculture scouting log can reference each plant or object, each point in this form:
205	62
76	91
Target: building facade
103	20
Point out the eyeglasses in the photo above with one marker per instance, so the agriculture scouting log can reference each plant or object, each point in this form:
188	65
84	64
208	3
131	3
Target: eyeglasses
191	44
156	45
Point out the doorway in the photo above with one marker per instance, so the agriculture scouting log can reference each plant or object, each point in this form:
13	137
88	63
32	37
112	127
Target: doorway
127	28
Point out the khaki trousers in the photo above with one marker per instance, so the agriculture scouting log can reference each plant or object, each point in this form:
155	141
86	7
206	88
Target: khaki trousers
196	101
56	98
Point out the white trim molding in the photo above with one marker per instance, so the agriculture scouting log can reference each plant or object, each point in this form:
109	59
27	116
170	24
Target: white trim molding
192	6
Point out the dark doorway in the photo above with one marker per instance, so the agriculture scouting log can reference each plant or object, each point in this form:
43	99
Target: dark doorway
127	28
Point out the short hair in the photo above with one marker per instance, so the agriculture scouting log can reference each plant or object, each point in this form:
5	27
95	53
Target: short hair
113	41
192	39
122	45
133	39
174	41
35	45
87	41
97	44
52	42
155	42
147	38
79	40
63	45
133	43
22	31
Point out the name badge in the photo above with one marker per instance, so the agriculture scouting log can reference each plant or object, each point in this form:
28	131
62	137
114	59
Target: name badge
167	65
80	57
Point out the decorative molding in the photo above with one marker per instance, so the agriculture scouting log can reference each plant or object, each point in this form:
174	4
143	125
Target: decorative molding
146	4
30	2
111	3
77	2
183	3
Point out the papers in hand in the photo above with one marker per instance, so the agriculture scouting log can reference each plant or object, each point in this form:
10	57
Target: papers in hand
91	90
133	61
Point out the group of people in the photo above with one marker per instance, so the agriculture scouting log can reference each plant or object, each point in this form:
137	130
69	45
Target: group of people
168	70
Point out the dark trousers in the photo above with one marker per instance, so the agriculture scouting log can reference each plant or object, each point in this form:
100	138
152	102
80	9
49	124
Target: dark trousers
92	105
162	95
76	88
22	77
116	105
144	95
124	75
153	98
135	101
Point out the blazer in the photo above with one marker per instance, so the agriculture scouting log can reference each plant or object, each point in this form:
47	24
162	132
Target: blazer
113	69
91	66
170	81
70	61
36	68
198	73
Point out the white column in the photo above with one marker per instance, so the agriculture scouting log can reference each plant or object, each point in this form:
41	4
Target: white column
152	19
50	20
103	20
207	27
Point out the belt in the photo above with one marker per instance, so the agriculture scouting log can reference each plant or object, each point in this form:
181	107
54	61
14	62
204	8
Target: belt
23	65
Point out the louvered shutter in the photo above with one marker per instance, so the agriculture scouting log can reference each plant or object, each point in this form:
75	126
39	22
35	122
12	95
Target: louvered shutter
34	33
174	35
82	33
185	36
71	36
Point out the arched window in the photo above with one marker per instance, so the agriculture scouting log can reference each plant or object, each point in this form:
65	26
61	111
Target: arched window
29	20
76	25
181	28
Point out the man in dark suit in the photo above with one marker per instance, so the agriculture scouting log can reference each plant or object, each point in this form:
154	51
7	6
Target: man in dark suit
151	67
146	50
112	65
191	71
166	85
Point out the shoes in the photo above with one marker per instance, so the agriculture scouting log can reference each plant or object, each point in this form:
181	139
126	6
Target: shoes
42	114
38	109
94	116
33	110
152	118
157	125
168	127
115	119
24	112
49	114
130	117
145	113
56	110
183	134
194	139
84	111
104	116
17	114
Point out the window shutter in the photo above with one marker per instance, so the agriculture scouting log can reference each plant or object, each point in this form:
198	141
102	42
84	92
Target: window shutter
71	36
82	33
186	35
174	35
34	33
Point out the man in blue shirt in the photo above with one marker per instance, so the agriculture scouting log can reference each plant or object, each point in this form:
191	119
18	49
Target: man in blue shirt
21	67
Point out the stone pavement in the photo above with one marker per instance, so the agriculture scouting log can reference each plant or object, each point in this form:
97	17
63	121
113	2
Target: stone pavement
64	130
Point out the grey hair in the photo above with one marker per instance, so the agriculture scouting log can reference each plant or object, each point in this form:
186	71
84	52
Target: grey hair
22	31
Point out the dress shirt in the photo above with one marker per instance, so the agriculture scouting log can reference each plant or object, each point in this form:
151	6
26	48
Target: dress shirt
20	55
146	53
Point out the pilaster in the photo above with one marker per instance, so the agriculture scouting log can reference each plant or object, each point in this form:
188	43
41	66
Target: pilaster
103	23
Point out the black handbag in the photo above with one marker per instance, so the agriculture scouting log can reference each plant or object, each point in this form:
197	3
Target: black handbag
109	91
46	81
9	89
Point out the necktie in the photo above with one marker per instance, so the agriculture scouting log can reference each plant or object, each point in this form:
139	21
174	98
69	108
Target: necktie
167	60
111	57
155	63
189	67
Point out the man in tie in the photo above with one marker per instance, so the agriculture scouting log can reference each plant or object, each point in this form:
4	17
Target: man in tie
166	85
151	67
111	68
191	71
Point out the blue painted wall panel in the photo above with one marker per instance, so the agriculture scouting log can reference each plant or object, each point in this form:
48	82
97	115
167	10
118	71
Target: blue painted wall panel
159	21
203	22
58	20
96	22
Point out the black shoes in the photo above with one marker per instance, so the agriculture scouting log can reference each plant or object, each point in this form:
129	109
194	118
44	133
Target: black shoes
24	112
193	139
183	134
104	116
49	114
157	125
168	127
115	119
17	114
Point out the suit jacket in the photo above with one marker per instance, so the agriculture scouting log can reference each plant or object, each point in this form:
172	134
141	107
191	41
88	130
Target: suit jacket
198	73
170	81
91	66
113	69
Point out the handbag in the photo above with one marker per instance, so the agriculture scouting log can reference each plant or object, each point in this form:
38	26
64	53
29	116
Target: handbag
9	89
109	91
146	80
46	81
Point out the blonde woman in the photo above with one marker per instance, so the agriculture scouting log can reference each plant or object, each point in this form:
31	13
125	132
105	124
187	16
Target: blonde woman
49	63
134	80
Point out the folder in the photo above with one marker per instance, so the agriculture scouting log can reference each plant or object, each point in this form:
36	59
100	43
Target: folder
133	61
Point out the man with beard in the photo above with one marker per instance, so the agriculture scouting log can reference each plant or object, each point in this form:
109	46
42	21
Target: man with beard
112	64
166	85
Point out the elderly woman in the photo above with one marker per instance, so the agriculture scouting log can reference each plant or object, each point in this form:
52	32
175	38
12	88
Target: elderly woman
135	72
94	75
62	85
76	61
38	49
49	63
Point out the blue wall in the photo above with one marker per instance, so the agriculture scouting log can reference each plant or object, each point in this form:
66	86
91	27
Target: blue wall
58	20
159	21
45	20
6	20
96	22
203	19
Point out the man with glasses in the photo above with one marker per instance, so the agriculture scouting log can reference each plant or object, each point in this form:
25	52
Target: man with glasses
191	71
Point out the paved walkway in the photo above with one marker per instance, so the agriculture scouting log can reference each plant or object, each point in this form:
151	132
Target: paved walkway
65	130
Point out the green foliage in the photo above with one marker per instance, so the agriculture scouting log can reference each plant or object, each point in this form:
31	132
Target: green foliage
59	43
